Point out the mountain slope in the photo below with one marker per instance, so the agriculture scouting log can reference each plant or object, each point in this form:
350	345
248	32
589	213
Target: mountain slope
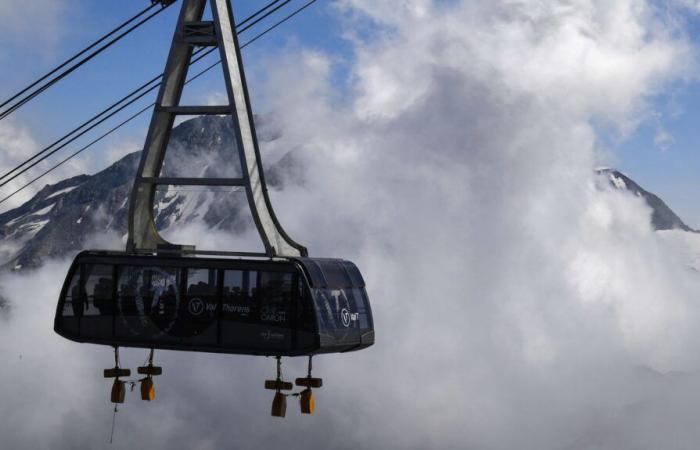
663	217
61	217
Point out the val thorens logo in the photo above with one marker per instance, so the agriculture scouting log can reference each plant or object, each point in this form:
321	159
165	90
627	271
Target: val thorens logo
345	317
196	306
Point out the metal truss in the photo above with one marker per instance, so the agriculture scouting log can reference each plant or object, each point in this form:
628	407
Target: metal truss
192	32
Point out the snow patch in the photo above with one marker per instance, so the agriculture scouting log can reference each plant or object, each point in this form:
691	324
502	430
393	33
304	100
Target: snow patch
43	211
32	228
166	201
16	219
618	182
63	191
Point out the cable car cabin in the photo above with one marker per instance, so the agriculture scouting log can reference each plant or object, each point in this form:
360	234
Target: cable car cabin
285	307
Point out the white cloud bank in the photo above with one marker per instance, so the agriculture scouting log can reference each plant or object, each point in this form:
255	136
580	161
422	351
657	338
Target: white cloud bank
517	305
39	21
17	144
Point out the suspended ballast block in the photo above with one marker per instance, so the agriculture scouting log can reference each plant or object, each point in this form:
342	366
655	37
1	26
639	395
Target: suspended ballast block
148	390
116	372
118	391
279	405
309	382
307	401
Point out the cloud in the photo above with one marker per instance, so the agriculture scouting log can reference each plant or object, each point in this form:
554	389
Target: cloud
217	97
663	139
17	144
519	302
692	5
43	20
115	152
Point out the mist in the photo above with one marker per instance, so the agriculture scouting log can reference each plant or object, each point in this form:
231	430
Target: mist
519	301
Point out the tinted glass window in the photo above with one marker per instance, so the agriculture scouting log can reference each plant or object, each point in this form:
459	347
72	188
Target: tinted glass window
355	276
261	312
340	309
305	317
148	300
275	295
316	274
199	310
201	282
335	274
237	302
167	304
98	286
88	307
256	309
74	305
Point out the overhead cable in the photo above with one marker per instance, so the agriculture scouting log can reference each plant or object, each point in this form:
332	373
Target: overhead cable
140	112
277	24
3	178
76	133
83	128
267	14
49	151
95	141
257	13
77	55
34	93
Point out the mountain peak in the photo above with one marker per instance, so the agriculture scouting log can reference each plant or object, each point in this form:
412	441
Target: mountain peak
663	217
59	219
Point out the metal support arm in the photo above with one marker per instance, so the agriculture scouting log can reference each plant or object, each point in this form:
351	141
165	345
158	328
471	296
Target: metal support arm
143	234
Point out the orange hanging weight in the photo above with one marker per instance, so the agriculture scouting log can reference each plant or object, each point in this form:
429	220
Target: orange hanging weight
148	390
307	401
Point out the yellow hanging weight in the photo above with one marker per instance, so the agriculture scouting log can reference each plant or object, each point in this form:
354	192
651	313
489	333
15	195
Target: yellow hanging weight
307	401
148	390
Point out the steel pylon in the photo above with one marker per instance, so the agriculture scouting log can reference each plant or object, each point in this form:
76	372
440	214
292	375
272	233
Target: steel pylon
192	32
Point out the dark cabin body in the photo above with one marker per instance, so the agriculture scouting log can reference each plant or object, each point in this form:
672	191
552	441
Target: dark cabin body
280	307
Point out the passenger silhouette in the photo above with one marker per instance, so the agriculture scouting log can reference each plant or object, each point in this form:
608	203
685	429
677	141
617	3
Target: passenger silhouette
127	300
78	301
102	296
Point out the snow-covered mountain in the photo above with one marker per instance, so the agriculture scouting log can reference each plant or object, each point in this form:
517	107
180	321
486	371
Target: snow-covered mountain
59	219
663	218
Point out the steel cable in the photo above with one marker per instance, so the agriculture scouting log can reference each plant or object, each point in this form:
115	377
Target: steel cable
14	107
85	124
132	117
88	126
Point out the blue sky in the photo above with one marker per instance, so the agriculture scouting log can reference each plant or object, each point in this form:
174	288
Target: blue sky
140	56
136	59
670	170
459	182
